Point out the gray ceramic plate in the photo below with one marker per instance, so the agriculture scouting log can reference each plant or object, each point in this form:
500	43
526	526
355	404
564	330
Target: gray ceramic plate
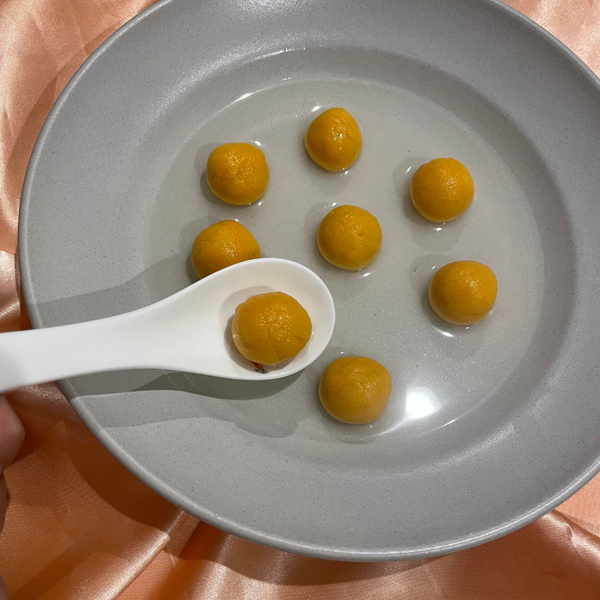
488	427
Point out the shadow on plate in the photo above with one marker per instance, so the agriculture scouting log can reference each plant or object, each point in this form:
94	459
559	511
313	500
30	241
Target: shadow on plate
216	387
257	409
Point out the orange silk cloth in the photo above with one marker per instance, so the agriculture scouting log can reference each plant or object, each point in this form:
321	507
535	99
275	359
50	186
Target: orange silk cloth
79	526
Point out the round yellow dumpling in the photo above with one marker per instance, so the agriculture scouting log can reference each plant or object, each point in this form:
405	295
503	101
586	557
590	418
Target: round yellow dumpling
463	292
223	244
237	173
333	140
270	328
442	189
355	389
349	237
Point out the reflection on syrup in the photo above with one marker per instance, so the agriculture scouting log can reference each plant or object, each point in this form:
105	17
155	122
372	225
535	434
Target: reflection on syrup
453	331
419	402
243	97
444	333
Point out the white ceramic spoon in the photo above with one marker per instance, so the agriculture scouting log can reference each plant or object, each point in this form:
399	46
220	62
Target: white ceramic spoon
189	331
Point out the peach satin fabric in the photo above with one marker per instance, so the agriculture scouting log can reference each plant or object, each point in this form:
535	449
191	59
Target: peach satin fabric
79	526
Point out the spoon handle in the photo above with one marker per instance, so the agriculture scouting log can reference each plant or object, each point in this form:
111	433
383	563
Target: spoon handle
40	355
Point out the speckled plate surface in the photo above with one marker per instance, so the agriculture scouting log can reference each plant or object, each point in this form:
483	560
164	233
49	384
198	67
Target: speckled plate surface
488	427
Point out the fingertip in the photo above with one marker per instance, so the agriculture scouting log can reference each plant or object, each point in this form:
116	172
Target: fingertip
12	434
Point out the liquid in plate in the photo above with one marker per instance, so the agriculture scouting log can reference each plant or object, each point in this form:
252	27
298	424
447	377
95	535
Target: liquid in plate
382	312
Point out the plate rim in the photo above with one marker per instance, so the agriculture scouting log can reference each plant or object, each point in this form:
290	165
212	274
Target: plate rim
157	485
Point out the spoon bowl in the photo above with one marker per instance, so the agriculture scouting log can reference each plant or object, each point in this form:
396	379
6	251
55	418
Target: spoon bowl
189	331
